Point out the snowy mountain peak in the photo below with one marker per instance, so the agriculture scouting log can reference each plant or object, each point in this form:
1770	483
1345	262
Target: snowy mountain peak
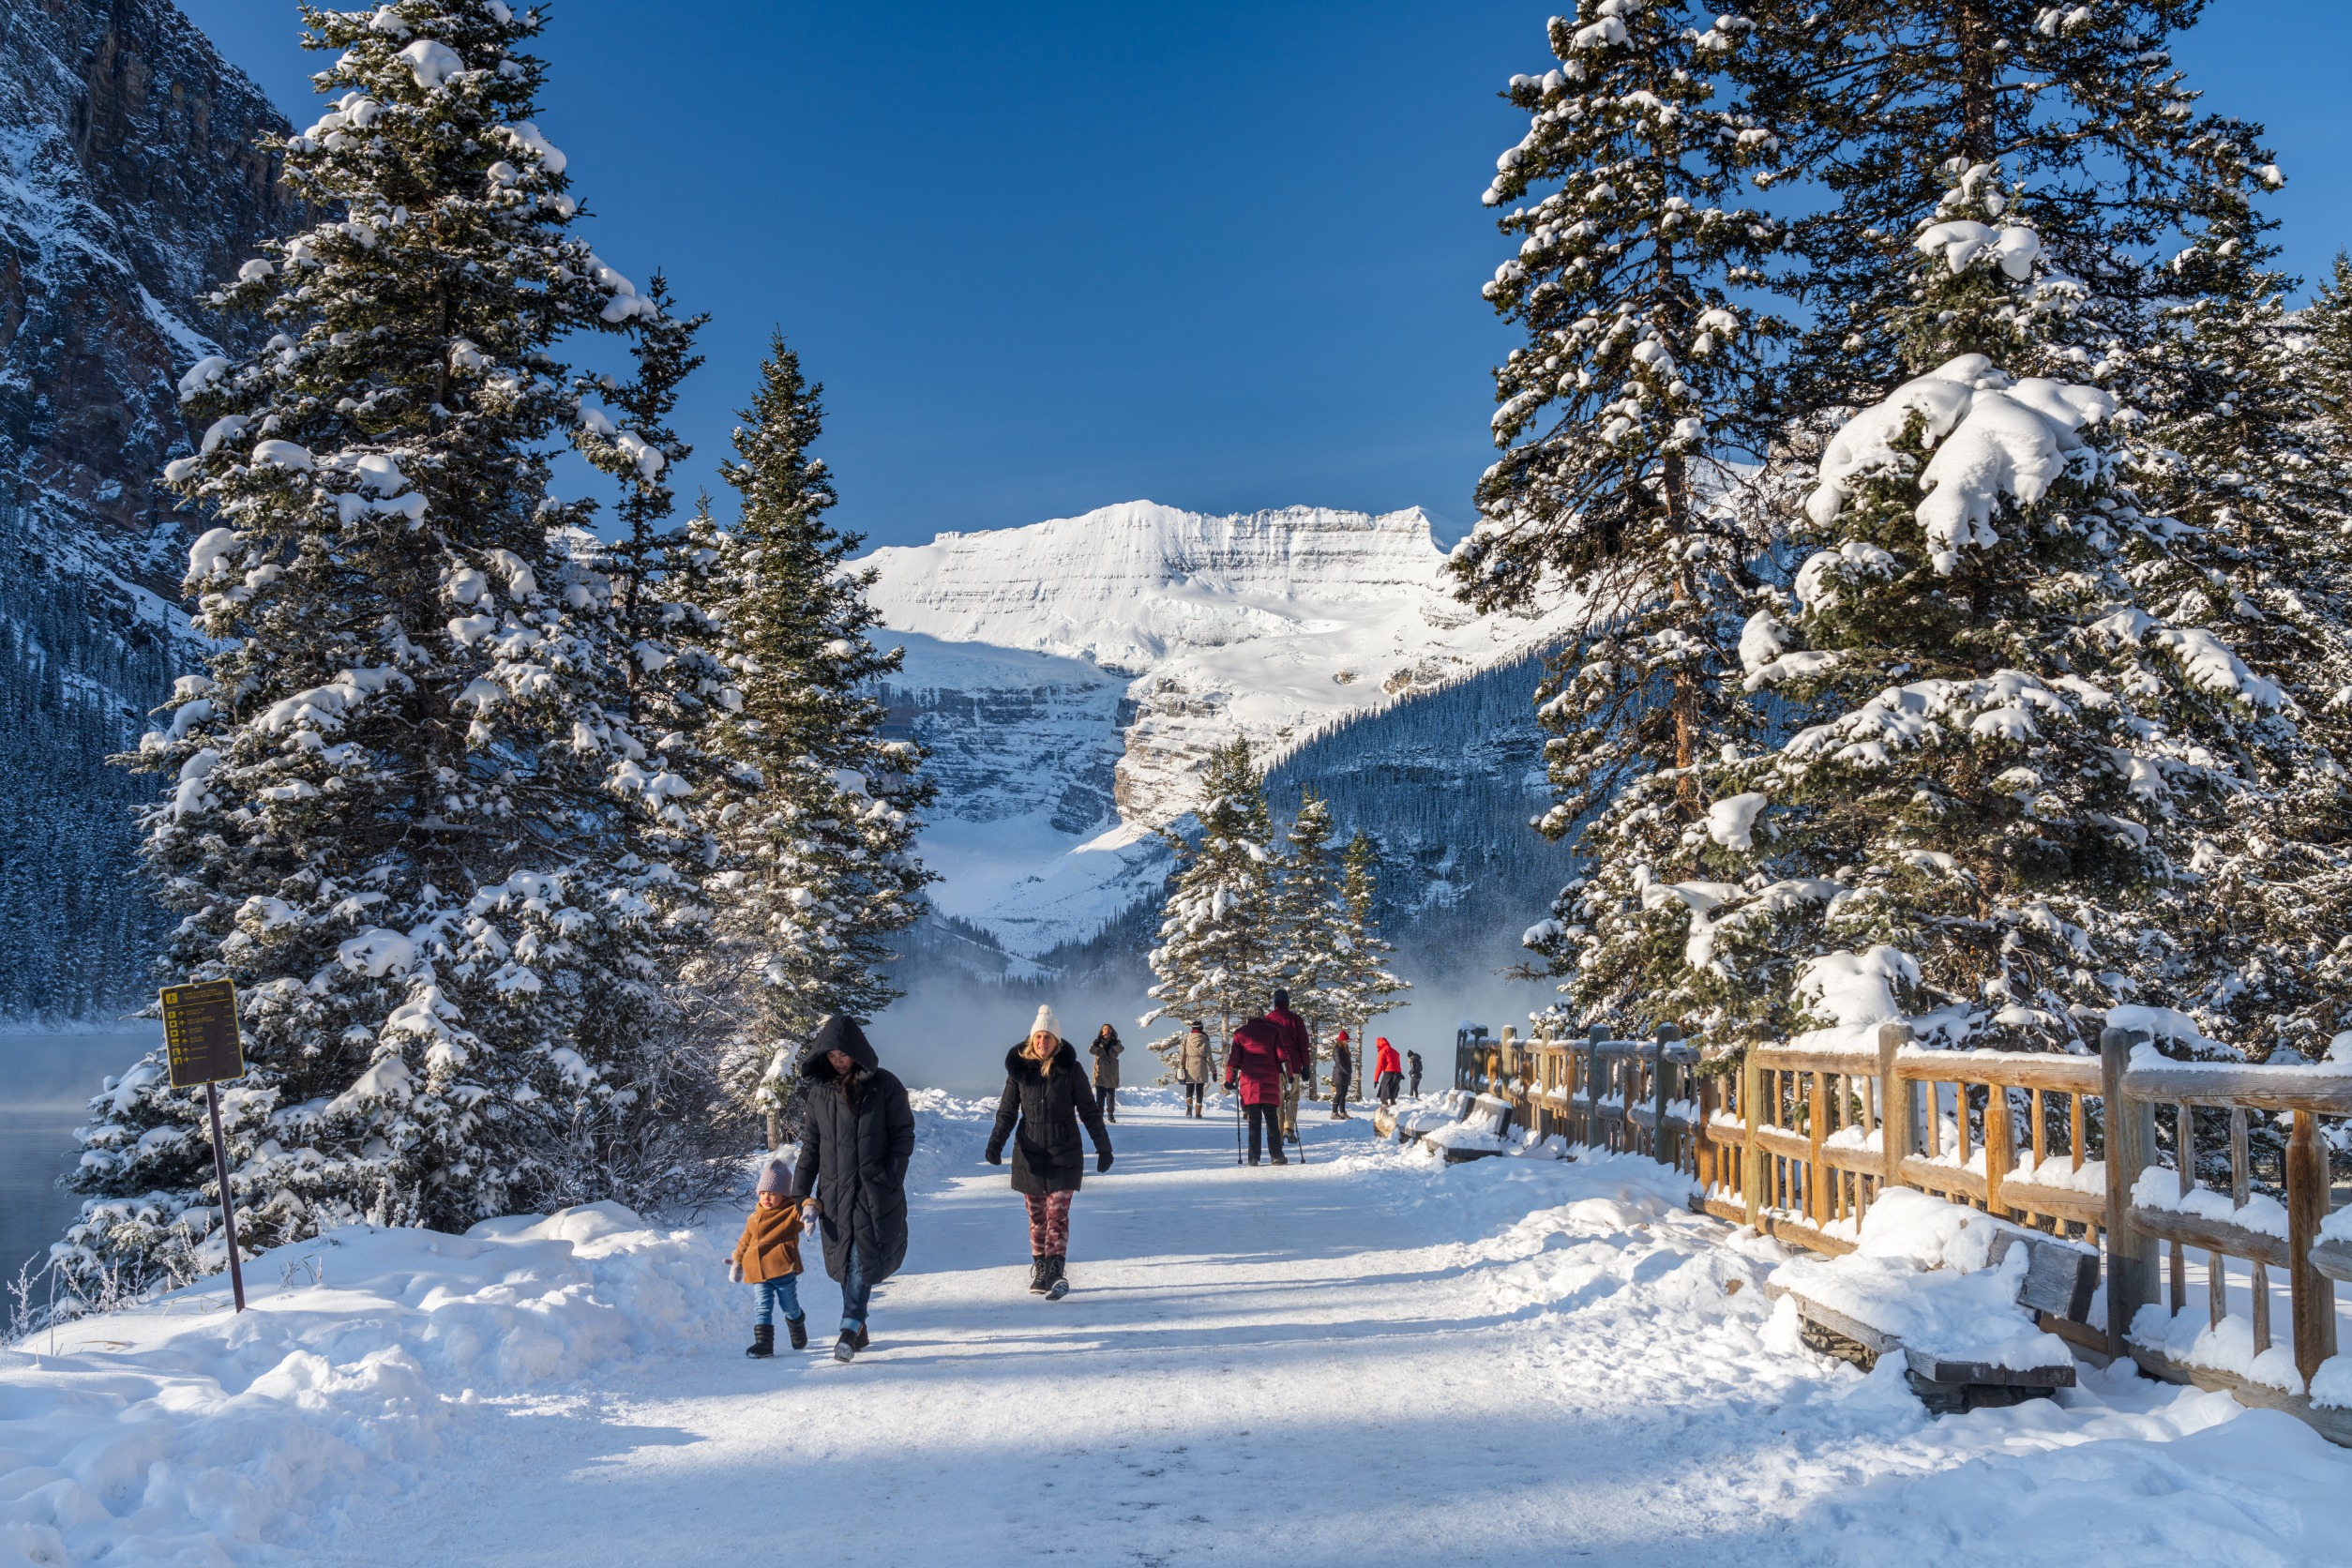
1127	586
1166	633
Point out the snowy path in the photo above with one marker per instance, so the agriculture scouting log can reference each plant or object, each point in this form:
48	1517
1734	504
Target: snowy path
1365	1359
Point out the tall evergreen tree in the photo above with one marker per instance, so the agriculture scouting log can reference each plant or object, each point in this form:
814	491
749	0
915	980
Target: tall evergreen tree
399	802
2001	758
1642	366
816	823
2081	106
2233	440
1364	988
1309	931
1217	955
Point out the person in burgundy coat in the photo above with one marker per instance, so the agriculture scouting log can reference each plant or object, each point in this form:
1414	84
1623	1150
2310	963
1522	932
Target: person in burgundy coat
1255	1066
1298	1058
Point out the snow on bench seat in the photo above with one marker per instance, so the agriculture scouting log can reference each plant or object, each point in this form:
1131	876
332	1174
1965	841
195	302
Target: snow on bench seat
1954	1291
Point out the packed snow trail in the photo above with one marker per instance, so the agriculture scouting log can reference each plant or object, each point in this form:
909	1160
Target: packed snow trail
1361	1359
1370	1357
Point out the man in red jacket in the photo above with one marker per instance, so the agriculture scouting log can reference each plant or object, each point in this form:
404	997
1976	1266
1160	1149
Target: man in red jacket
1298	1058
1256	1066
1386	1071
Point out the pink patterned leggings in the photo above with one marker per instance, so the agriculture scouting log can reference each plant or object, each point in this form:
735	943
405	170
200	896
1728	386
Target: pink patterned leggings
1050	1222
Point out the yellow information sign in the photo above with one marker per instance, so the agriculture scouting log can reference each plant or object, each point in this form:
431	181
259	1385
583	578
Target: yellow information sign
200	1034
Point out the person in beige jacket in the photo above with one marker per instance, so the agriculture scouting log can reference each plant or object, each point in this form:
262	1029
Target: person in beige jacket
1196	1064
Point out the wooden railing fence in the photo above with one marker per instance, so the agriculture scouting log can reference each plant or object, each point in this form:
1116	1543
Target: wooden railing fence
1799	1140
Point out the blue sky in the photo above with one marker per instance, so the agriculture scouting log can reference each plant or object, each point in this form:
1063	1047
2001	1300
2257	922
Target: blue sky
1051	256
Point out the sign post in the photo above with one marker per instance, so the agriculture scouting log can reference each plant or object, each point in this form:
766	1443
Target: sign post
202	1045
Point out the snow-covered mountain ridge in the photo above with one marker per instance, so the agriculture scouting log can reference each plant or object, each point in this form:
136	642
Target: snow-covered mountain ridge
1071	677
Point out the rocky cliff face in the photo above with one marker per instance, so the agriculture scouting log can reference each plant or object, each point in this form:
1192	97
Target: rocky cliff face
130	186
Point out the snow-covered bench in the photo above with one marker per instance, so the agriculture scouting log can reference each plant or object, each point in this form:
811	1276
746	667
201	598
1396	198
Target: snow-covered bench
1463	1125
1955	1292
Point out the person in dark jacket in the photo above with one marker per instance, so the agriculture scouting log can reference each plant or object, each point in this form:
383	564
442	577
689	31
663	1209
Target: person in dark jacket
1254	1065
1343	1075
1298	1059
1105	1051
1046	1097
1412	1061
855	1140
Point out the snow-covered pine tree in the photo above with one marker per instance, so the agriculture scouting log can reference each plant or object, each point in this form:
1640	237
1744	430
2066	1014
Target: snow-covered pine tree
1310	933
1365	988
2230	437
816	823
400	799
2001	760
2079	105
1640	367
1216	959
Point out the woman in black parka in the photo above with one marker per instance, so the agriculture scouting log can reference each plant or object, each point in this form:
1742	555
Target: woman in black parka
856	1139
1046	1094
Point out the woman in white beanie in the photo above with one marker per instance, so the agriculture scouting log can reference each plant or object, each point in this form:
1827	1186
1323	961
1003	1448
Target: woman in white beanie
1046	1097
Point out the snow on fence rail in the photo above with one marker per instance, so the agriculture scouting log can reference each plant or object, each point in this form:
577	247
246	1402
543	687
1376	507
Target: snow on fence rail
1799	1140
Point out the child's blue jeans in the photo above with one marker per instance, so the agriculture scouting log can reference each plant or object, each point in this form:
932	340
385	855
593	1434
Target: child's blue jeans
772	1292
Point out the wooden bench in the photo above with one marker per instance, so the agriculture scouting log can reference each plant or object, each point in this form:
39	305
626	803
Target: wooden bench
2058	1281
1471	1110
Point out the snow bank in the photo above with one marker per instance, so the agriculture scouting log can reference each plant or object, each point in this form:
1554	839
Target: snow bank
178	1429
1919	1274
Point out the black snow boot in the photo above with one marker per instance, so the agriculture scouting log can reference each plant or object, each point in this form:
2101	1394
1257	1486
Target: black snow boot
763	1340
848	1344
1037	1274
1057	1285
798	1329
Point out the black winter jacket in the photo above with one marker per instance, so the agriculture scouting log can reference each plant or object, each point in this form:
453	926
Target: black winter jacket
1048	1102
854	1157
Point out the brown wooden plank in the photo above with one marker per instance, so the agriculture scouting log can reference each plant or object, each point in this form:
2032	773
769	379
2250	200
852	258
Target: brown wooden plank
2317	1092
2333	1258
1926	1364
2214	1235
2063	1203
1804	1059
2334	1424
1932	1176
2012	1069
2314	1293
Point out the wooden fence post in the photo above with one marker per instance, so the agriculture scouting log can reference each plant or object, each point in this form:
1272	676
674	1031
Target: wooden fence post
1751	1151
2313	1297
1592	1112
1661	1141
1897	1125
2130	1144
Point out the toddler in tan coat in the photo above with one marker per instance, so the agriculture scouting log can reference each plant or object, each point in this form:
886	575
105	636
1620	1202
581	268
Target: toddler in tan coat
768	1256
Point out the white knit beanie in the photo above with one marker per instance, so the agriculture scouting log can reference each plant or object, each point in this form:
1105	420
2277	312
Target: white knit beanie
1046	1021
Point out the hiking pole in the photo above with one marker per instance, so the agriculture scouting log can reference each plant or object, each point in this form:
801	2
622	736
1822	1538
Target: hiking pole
1237	1124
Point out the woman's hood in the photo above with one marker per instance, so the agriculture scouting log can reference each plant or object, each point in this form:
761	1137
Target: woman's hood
837	1034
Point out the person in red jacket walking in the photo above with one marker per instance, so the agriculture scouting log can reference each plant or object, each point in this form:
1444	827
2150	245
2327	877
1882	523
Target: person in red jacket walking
1387	1072
1298	1058
1254	1065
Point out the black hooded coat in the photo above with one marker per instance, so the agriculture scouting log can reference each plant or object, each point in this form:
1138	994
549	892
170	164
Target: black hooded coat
1047	1101
854	1143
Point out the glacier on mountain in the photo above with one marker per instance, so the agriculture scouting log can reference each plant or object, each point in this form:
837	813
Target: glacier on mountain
1071	677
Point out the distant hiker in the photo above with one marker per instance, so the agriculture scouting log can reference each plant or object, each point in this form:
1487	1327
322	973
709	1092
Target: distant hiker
854	1144
1414	1059
1046	1097
1386	1070
1196	1064
1255	1064
768	1257
1343	1075
1298	1058
1106	1050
